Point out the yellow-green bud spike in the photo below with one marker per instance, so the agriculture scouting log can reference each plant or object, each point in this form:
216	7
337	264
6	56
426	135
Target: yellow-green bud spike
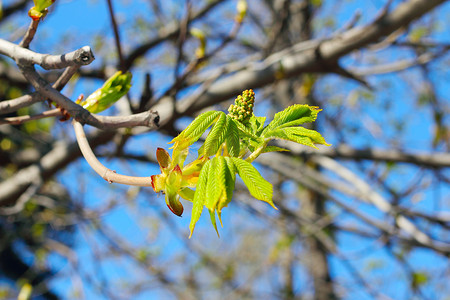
242	109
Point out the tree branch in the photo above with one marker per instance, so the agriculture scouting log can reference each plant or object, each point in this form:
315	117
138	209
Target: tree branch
29	35
149	118
8	106
169	31
61	155
107	174
430	160
23	56
294	62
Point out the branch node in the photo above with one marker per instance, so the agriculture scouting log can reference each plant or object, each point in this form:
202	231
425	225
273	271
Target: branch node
107	175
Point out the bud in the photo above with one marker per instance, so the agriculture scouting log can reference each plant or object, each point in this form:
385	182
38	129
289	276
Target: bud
241	8
242	109
200	35
111	91
39	10
163	158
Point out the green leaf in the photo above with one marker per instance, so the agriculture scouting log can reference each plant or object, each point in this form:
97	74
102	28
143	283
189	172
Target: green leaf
216	182
216	136
195	130
293	115
257	124
274	149
199	197
299	135
256	184
230	179
212	215
232	138
245	131
112	90
186	193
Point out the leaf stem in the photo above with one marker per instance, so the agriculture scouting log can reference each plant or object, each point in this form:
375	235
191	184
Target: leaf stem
257	152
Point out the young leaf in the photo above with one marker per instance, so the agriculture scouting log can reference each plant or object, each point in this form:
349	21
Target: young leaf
199	197
195	130
274	149
216	136
112	90
212	215
230	178
256	184
173	182
257	124
232	138
186	193
246	132
217	188
163	158
293	115
299	135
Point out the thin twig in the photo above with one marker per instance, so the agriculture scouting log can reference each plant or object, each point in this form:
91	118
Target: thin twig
107	174
27	118
193	65
22	56
149	118
29	35
370	195
116	36
8	106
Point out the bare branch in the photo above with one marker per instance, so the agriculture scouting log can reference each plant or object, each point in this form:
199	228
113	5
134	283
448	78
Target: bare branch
368	194
149	118
29	35
430	160
23	56
23	119
397	66
62	153
116	36
293	64
8	106
167	32
107	174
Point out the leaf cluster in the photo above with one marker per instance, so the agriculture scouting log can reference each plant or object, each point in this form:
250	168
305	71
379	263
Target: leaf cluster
229	149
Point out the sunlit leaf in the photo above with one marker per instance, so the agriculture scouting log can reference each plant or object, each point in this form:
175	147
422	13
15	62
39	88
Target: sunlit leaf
212	215
299	135
274	149
230	178
216	136
186	193
216	187
258	187
112	90
195	130
199	197
257	124
245	131
232	138
293	115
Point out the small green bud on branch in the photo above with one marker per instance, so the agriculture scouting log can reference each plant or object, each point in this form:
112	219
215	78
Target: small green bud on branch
40	9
